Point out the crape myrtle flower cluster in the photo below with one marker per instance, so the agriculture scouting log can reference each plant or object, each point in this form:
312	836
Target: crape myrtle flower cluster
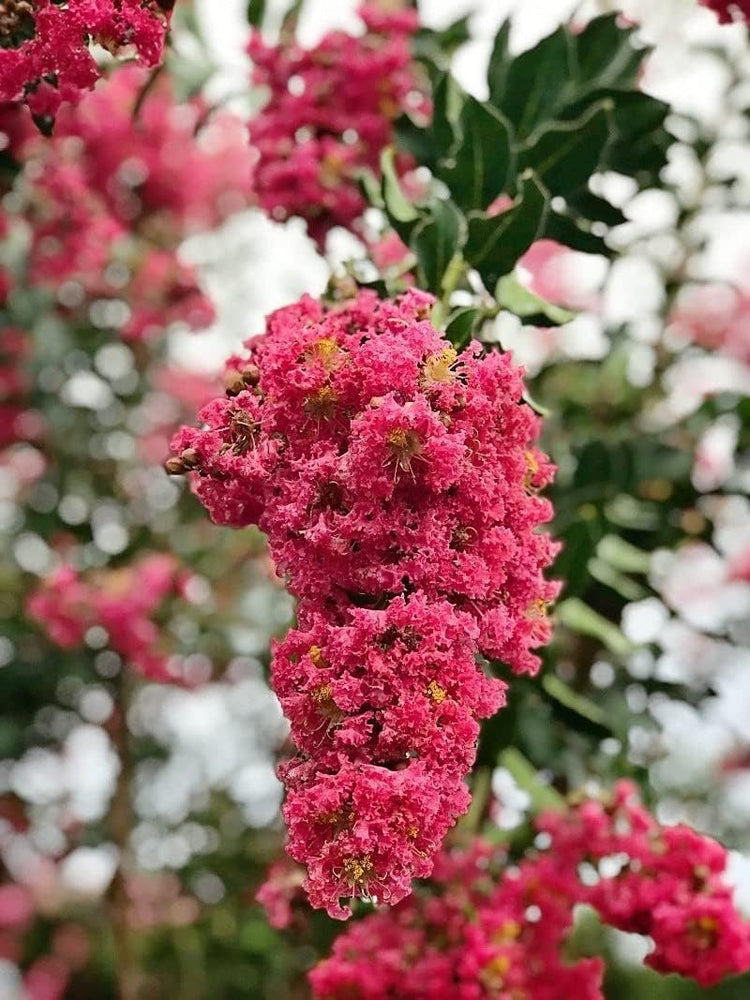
125	602
329	115
729	10
488	928
110	197
45	47
397	482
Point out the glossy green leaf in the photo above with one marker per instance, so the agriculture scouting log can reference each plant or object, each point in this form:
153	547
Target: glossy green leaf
564	155
605	54
448	100
435	241
566	230
535	83
462	324
499	65
495	244
431	43
402	215
479	163
579	617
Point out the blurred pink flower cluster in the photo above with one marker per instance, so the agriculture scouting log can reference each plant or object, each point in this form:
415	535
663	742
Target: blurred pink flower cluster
488	928
111	196
45	46
124	602
716	317
397	482
329	115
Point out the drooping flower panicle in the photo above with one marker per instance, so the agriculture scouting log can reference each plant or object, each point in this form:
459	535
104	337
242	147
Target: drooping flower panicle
397	482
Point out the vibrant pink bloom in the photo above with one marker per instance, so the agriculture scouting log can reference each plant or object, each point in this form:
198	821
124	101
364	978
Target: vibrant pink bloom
329	115
488	928
397	482
45	58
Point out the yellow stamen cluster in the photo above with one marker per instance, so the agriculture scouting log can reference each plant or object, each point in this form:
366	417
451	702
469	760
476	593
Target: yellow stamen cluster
439	367
532	468
404	445
508	931
322	402
316	655
322	694
705	931
436	693
538	609
331	171
357	870
494	972
325	350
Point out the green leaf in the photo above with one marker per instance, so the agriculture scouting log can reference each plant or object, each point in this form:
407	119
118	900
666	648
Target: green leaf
579	617
495	244
525	775
605	54
479	163
511	295
402	215
640	140
497	71
535	82
462	324
578	711
448	100
256	11
623	585
412	138
435	241
564	155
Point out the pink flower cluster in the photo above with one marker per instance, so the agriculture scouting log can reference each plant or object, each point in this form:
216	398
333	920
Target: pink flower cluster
122	601
112	195
329	115
729	10
715	317
488	929
397	482
45	57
